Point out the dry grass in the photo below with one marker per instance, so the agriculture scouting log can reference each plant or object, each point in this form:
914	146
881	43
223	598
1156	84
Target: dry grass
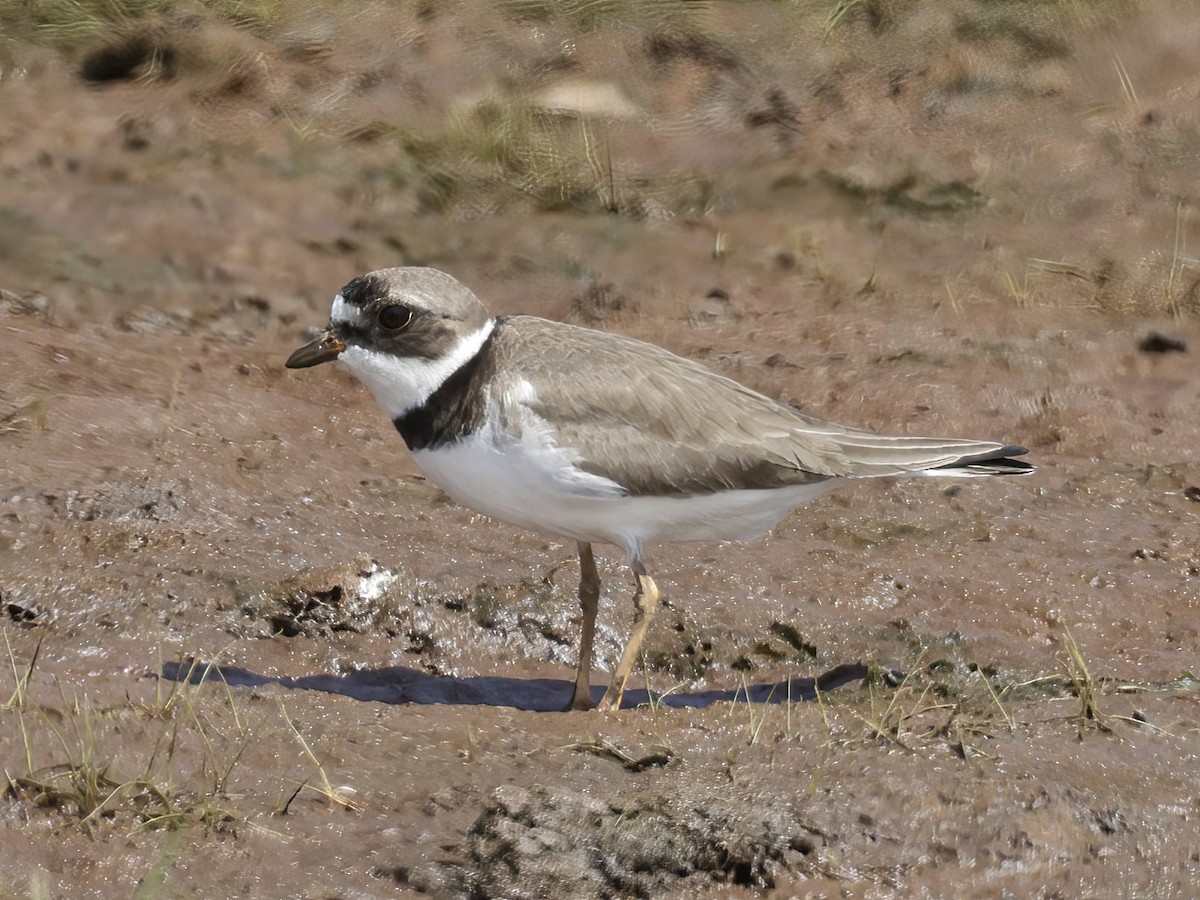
491	148
71	754
659	755
70	24
168	762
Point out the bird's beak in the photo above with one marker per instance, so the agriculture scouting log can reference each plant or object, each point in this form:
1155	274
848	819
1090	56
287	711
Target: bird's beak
323	349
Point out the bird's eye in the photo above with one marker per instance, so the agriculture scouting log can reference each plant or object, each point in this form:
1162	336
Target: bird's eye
393	318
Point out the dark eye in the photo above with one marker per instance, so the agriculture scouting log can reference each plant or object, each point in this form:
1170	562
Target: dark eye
393	318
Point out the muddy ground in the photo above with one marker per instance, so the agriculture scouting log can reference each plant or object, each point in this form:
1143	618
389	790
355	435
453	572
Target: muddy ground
250	652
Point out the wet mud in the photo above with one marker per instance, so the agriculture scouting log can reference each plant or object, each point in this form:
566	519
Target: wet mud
249	650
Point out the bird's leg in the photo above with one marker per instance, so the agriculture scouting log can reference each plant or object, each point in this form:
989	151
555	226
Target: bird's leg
589	602
645	603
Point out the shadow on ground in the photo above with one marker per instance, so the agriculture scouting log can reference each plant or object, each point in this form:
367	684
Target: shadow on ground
400	684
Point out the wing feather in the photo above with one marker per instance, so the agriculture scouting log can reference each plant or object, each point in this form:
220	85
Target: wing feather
656	423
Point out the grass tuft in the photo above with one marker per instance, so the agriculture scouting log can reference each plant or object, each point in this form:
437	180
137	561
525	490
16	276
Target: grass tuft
338	795
73	763
1082	684
70	23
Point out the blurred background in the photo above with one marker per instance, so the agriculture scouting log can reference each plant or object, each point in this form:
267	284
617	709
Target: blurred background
166	155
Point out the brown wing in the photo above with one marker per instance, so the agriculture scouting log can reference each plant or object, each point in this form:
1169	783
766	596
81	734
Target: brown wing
656	423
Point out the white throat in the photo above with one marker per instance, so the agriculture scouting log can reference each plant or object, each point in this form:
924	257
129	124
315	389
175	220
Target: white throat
402	383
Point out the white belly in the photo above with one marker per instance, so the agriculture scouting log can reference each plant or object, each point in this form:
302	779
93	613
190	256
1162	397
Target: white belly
537	488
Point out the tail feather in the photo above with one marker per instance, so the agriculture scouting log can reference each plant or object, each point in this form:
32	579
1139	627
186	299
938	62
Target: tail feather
865	455
999	462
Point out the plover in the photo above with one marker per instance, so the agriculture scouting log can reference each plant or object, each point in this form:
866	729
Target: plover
599	438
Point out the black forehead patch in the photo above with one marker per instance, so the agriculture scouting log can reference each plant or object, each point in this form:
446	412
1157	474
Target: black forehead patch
363	290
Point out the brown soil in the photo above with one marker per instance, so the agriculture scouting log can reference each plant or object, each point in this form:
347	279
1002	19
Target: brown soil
253	653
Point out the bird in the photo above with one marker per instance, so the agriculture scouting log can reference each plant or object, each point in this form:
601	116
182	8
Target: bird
599	438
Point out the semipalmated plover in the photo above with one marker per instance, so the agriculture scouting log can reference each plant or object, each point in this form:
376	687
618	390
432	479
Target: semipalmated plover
597	437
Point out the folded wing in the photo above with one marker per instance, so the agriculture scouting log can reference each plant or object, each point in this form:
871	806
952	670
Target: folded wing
656	423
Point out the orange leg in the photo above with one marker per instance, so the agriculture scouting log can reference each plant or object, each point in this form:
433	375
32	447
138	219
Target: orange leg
645	602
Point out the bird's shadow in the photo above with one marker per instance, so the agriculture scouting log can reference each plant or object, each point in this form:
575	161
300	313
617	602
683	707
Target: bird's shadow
400	684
